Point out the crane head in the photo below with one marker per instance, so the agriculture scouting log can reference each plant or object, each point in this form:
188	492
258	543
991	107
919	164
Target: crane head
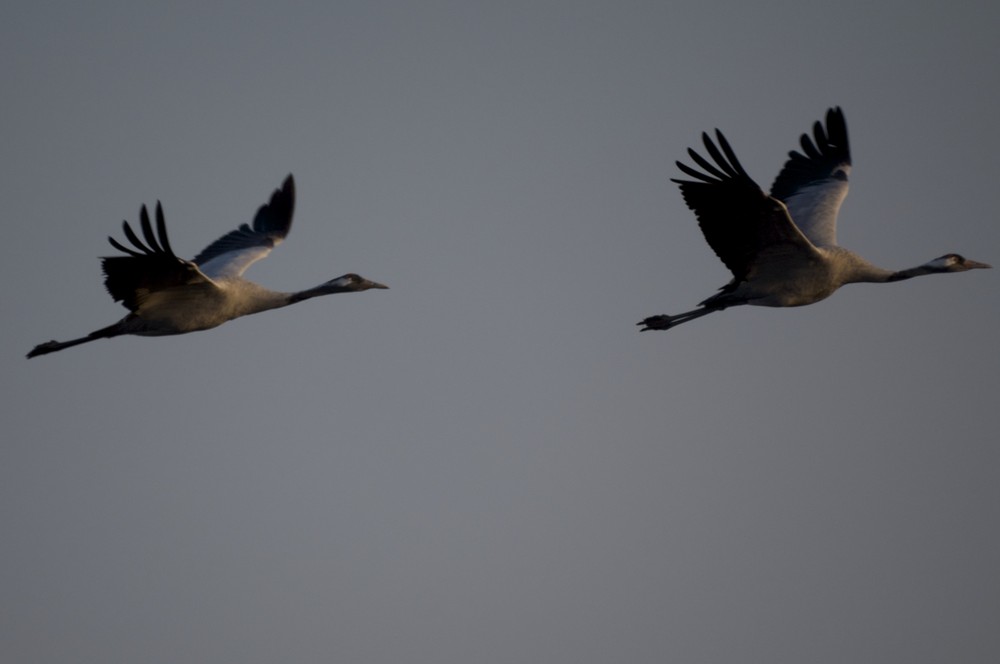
352	282
954	263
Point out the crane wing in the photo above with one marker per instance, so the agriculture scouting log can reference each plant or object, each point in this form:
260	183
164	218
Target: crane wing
149	267
234	252
738	219
813	185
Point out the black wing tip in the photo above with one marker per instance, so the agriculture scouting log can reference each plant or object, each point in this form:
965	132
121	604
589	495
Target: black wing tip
726	164
270	225
275	216
122	248
823	155
828	140
286	192
156	242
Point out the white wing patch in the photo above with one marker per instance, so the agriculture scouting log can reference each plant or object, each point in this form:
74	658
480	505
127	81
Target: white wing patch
230	255
233	264
814	208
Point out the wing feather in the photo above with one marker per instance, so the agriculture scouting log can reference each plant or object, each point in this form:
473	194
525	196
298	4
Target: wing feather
147	230
149	267
738	220
813	185
234	252
161	227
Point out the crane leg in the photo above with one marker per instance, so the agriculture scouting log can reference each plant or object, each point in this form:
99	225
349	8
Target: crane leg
53	346
665	322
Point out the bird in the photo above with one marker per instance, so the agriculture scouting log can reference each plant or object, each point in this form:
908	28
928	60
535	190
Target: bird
169	295
781	247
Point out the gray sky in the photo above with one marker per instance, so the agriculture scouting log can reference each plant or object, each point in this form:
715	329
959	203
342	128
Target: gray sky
488	463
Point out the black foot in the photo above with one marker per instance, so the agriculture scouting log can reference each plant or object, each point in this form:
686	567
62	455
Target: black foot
662	322
47	347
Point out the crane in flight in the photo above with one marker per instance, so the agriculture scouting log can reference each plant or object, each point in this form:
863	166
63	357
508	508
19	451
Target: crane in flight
169	295
782	247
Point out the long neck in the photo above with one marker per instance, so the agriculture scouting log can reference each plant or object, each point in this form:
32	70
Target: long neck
328	288
852	269
909	273
855	269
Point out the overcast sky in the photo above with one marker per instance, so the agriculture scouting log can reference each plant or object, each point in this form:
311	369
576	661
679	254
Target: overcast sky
488	463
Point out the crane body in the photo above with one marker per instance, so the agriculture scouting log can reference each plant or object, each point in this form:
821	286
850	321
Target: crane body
782	247
168	295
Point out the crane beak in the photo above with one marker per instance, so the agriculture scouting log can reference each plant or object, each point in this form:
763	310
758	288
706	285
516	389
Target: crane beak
375	284
972	265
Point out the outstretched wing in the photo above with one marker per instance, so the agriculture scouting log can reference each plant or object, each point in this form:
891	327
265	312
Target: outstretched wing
234	252
814	184
149	267
738	219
